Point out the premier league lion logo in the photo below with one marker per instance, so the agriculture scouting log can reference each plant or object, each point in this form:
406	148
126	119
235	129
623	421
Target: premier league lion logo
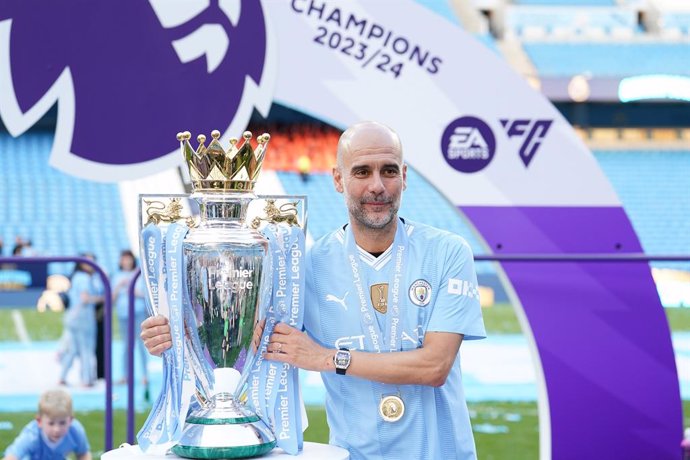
127	75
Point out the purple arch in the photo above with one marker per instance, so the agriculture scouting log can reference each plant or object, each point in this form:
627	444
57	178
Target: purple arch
600	331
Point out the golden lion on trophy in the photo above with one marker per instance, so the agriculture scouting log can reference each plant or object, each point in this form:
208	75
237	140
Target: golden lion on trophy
287	213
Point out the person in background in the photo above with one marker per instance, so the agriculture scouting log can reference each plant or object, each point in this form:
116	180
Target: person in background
120	282
304	167
54	434
80	323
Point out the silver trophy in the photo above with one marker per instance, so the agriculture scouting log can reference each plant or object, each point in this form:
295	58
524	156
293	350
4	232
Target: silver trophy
227	267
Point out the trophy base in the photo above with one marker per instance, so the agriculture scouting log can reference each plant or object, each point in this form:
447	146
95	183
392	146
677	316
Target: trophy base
225	429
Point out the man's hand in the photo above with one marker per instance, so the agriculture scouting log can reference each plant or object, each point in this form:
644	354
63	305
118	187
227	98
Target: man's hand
289	345
155	332
258	332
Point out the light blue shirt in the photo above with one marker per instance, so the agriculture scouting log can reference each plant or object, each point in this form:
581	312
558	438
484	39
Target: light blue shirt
80	314
122	300
438	292
31	445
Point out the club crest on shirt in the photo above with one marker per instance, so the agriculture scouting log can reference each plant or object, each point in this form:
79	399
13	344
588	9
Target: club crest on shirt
420	293
379	297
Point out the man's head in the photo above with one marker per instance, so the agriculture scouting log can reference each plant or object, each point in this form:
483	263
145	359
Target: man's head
54	414
371	174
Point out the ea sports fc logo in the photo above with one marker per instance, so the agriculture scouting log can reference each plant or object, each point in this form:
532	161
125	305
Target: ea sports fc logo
420	293
468	144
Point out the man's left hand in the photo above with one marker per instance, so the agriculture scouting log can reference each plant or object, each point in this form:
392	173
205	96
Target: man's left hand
289	345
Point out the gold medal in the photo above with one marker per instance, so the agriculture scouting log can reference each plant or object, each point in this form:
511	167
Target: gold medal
391	408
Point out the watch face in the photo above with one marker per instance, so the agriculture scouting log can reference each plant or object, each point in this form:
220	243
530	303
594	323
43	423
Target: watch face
342	358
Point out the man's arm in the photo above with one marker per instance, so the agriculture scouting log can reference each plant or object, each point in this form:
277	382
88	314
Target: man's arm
428	365
10	457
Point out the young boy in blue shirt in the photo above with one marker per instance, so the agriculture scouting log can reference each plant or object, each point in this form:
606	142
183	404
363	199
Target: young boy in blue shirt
53	435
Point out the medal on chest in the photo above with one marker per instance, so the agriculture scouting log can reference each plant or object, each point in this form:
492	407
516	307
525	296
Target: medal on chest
391	408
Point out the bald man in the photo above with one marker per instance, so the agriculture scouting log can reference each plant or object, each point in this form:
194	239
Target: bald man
388	303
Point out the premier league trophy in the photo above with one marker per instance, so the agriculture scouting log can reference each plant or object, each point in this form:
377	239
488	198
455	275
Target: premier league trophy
213	280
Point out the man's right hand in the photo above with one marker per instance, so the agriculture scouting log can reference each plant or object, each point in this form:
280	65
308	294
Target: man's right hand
155	332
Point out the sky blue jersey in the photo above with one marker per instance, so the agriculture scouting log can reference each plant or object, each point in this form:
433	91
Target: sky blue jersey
32	445
436	290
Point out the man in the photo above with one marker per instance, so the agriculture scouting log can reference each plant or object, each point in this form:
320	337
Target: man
388	304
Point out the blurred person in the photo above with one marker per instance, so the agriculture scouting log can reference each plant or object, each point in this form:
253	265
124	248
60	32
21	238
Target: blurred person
304	167
80	322
54	434
28	249
388	303
19	244
120	282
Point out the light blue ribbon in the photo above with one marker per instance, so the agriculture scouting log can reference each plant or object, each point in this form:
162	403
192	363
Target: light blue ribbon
276	399
163	260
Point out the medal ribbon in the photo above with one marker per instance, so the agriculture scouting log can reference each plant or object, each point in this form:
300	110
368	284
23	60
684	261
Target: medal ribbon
390	335
393	324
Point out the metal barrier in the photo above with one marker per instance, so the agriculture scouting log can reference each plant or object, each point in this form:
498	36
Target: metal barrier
107	328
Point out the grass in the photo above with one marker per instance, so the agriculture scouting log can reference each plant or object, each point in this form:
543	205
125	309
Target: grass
501	319
520	419
498	319
7	330
678	319
501	429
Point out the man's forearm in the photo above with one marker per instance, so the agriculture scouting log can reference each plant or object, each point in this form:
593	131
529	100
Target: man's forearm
428	365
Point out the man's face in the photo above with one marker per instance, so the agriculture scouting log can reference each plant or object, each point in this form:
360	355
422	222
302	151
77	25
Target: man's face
372	177
55	428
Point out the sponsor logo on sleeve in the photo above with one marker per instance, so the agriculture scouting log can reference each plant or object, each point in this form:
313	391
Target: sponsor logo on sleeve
463	288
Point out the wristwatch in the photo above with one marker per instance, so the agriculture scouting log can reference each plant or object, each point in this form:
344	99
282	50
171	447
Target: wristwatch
341	360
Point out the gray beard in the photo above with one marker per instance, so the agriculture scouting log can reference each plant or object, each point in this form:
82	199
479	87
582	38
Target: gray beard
374	224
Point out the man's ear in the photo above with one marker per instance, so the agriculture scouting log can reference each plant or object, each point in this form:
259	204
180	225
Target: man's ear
338	180
404	176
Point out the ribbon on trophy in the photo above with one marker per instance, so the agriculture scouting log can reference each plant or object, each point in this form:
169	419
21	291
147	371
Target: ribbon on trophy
273	387
163	260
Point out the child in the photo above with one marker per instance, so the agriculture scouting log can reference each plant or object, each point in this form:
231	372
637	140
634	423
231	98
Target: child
54	434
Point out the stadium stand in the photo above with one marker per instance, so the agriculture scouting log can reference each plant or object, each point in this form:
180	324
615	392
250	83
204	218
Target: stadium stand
653	187
60	214
538	22
567	59
289	142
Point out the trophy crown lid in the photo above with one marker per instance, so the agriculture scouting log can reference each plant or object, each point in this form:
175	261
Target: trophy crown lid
215	169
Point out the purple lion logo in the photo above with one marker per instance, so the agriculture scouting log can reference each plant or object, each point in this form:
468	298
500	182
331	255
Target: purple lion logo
128	75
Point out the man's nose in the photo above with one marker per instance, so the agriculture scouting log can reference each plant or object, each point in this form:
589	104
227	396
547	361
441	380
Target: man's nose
376	183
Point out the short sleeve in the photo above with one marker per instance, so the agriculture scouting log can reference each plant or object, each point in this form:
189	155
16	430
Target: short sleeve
81	442
457	307
22	445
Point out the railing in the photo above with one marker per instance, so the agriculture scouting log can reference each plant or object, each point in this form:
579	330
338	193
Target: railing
107	328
